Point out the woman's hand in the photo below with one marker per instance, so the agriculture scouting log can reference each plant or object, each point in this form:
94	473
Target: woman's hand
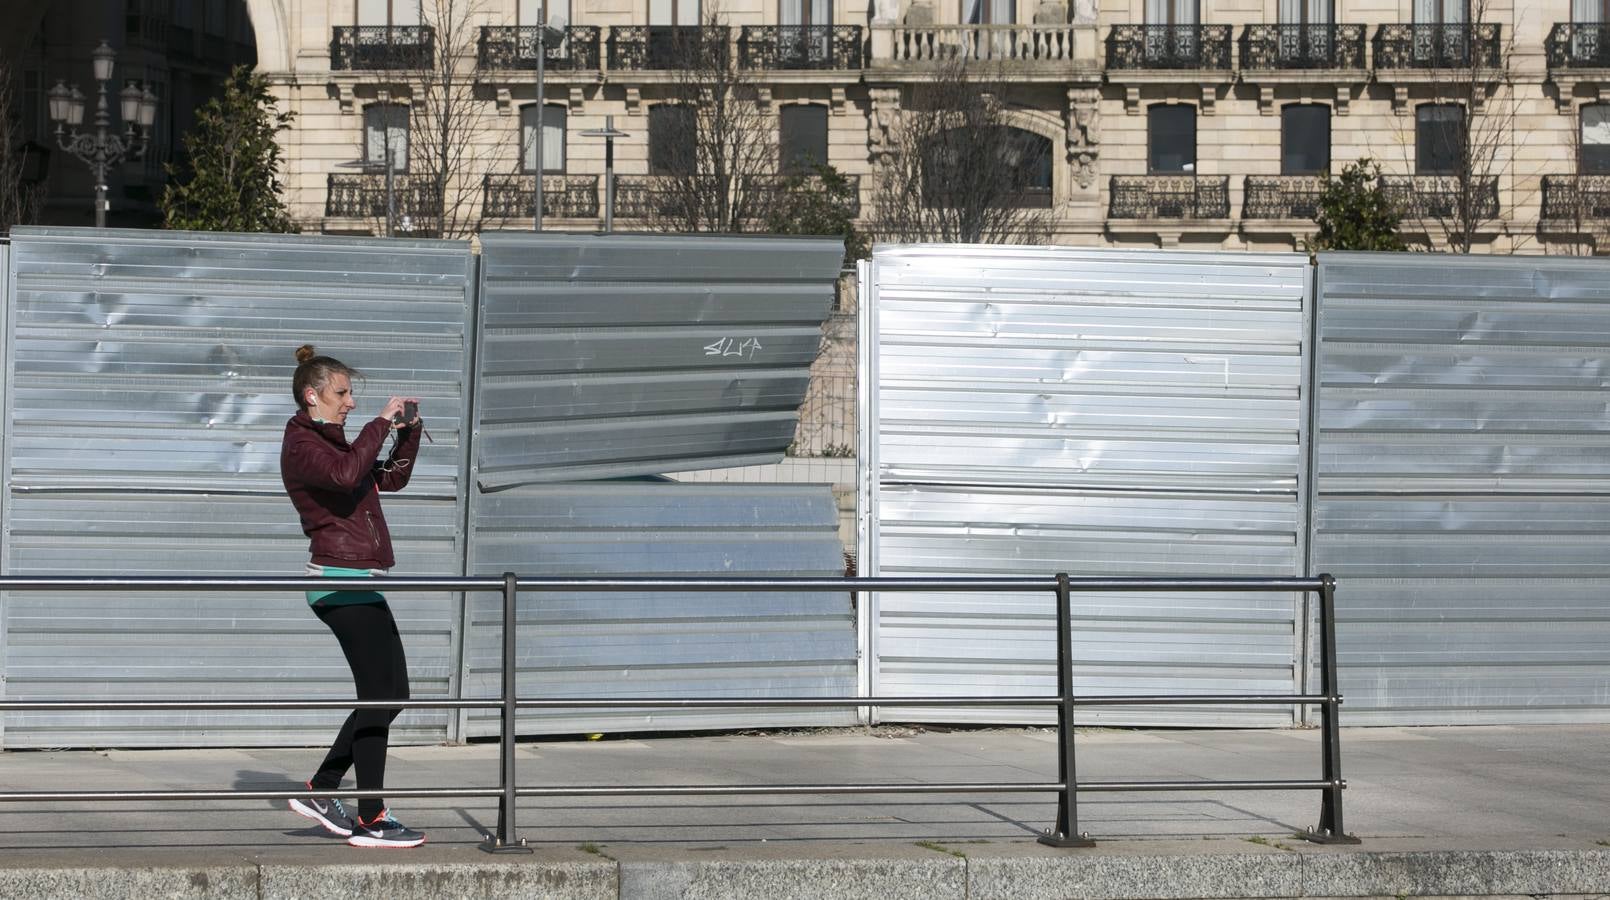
394	408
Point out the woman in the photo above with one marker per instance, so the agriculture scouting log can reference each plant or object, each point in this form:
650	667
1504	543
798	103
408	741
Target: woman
335	486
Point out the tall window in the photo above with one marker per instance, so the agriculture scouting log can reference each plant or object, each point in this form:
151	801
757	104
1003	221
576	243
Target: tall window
1171	12
388	12
529	12
1304	139
803	138
553	138
1171	138
1439	138
385	130
1441	12
806	12
1305	12
672	146
1590	12
1595	140
988	12
673	12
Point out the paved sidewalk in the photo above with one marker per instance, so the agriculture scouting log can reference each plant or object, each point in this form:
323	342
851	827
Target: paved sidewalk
1431	791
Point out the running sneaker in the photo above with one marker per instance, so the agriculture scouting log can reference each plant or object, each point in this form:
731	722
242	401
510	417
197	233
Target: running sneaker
384	831
326	811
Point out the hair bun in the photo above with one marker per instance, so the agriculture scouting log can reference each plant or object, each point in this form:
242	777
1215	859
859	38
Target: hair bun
305	353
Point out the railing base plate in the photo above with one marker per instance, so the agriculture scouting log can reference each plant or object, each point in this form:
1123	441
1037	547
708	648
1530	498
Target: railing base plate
1062	840
493	845
1325	837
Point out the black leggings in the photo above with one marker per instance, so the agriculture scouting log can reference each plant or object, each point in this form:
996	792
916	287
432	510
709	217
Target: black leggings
374	650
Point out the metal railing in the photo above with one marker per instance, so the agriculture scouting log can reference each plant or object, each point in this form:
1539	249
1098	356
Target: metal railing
379	47
1282	196
1169	197
1443	196
363	195
1453	45
1065	832
800	47
673	47
1578	45
1314	46
515	47
1168	47
1579	200
513	196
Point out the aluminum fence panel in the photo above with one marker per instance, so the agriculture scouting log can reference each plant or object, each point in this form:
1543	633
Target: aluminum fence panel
670	644
1463	485
1034	410
147	387
607	356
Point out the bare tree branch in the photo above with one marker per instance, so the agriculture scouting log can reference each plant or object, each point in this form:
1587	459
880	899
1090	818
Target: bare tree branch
20	201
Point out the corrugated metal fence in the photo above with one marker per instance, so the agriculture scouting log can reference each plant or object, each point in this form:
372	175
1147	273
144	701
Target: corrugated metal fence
1146	413
147	384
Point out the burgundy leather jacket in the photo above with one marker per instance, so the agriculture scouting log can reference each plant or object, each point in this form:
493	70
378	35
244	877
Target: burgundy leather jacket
336	486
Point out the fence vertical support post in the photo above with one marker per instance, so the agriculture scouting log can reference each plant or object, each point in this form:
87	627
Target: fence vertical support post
1329	830
504	841
1066	833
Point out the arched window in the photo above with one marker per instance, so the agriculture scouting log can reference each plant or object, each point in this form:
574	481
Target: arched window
1304	139
385	132
993	166
1439	138
1595	150
1171	138
553	138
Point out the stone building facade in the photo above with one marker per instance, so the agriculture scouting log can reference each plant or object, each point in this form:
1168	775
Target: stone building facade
1170	122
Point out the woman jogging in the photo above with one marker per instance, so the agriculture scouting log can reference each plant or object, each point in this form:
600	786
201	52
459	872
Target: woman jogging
335	487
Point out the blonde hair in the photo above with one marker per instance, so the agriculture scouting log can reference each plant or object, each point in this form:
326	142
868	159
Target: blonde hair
314	371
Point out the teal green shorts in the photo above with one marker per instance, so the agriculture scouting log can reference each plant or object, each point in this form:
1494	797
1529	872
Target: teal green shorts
344	598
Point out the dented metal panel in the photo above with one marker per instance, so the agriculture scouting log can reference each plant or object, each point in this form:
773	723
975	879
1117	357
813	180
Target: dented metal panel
677	644
607	356
147	388
1036	410
1463	485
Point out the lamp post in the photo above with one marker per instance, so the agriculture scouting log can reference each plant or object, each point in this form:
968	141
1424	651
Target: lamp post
609	134
549	35
103	150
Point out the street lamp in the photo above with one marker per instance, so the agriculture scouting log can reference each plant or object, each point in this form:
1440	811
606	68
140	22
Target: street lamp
609	134
101	150
549	35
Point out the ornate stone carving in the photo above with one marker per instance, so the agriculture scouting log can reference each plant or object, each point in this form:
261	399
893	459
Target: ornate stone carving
1084	134
1051	12
921	12
1084	12
885	109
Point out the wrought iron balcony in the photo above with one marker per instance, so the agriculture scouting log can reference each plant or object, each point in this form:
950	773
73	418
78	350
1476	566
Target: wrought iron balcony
369	47
1444	46
773	186
513	196
1442	196
800	47
511	47
363	196
1578	45
663	196
678	47
1577	200
1282	196
1326	46
1169	197
996	43
1169	47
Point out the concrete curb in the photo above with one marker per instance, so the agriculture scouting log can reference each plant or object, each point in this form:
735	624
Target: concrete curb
1138	870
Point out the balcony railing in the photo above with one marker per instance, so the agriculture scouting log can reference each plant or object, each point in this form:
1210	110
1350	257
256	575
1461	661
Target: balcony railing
994	43
800	47
1445	46
515	47
771	186
1169	47
363	196
1169	197
1442	196
1578	45
1577	199
679	47
369	47
1282	196
513	196
662	196
1320	46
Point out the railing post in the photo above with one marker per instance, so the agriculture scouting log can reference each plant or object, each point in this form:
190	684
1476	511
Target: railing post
1329	830
1066	833
504	841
